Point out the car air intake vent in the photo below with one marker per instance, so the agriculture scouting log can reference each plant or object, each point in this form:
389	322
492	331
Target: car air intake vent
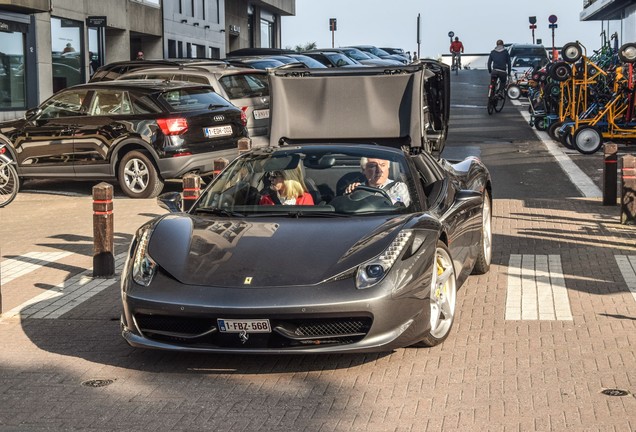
324	328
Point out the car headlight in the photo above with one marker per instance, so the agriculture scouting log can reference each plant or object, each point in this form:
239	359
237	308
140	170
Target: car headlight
373	271
144	266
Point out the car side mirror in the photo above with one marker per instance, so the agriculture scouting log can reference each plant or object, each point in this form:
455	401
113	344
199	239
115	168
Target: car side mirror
32	113
171	201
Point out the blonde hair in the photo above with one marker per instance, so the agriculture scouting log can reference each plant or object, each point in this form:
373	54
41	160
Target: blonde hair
293	188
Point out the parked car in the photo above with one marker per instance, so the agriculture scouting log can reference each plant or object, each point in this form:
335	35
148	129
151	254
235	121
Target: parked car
247	89
254	62
363	271
359	56
530	54
138	133
333	59
306	61
396	51
381	53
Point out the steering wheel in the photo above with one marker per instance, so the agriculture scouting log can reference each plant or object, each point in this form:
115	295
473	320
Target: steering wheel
372	191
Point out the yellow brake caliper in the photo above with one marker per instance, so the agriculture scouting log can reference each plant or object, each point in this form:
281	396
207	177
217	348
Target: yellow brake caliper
440	270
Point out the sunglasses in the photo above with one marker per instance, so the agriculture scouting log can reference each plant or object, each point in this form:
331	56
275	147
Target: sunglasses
275	174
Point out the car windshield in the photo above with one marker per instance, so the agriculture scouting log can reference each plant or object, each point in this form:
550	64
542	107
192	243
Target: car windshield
316	181
192	99
339	59
239	86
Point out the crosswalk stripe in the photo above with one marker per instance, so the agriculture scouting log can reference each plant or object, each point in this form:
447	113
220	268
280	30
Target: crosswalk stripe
536	289
627	266
13	268
57	301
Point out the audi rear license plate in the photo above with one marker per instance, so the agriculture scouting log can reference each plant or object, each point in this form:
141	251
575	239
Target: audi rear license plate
261	114
212	132
245	325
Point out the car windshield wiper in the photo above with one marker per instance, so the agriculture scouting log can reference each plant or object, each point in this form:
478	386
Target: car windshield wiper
299	214
217	211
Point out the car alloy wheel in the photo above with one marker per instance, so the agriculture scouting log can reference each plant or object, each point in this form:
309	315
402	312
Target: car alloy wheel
482	264
587	139
138	176
443	297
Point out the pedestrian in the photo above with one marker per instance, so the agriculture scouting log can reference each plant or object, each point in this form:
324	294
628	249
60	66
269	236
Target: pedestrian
68	48
408	54
140	55
414	56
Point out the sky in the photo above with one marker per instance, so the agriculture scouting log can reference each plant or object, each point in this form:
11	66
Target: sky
477	23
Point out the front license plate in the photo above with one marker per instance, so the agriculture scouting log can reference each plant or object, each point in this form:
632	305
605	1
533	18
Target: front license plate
247	325
211	132
261	114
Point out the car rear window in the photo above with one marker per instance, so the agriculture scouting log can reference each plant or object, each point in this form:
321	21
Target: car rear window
192	99
241	86
528	51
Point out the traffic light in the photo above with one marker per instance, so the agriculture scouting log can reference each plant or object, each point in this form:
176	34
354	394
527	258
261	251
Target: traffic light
332	24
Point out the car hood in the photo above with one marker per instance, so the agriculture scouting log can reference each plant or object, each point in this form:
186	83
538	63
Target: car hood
409	106
263	253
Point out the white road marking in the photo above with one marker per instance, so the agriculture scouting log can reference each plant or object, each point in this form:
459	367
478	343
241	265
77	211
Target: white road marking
13	268
536	289
56	301
578	178
627	266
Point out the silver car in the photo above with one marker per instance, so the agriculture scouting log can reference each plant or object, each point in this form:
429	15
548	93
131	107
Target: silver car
246	88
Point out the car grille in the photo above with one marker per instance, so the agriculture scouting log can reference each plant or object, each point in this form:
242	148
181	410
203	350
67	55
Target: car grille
286	332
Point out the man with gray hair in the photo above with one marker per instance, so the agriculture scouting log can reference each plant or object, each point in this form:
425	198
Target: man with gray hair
377	173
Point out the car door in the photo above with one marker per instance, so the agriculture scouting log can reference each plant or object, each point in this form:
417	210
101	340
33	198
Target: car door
106	122
45	144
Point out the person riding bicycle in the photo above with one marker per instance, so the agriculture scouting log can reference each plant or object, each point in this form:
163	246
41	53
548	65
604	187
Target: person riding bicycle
499	65
456	49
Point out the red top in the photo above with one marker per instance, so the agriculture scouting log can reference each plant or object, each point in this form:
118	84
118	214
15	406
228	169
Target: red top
304	199
457	46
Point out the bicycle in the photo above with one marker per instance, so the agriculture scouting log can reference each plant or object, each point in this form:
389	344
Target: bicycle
456	63
9	181
496	95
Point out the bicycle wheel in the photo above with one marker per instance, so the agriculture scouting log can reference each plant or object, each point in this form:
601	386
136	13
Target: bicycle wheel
9	183
500	101
490	106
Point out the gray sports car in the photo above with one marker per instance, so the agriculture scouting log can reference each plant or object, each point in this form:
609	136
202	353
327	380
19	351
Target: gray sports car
347	234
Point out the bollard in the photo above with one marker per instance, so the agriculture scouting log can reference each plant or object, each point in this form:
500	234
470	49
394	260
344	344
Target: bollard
219	165
244	145
610	174
103	257
628	186
191	190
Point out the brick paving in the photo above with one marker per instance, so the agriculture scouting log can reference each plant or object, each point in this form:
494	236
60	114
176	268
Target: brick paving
491	374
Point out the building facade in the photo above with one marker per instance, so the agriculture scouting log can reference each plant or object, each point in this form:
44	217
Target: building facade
613	10
47	45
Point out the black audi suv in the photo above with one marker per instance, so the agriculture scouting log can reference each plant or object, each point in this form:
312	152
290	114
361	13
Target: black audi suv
138	133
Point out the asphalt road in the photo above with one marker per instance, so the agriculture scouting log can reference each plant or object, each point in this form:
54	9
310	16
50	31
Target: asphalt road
503	368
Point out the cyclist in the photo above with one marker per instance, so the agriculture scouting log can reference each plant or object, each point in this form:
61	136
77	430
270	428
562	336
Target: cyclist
499	65
456	49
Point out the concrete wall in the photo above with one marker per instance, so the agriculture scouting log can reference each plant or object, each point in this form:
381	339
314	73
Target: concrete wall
629	25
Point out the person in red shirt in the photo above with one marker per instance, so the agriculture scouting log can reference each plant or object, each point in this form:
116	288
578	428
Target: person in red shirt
286	191
457	49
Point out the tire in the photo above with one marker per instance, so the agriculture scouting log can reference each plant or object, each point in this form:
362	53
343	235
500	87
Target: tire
561	71
443	298
500	102
490	107
627	52
587	139
9	184
540	123
482	264
513	92
552	130
566	139
571	52
138	176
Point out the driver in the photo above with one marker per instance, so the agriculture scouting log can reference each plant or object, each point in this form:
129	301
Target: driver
377	173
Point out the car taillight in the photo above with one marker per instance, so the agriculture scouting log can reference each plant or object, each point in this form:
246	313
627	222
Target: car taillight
244	115
173	126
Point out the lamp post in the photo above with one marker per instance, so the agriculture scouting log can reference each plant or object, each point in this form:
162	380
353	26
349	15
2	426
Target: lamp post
533	25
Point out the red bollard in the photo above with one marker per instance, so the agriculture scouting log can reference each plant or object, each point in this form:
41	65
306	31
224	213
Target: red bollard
219	165
103	257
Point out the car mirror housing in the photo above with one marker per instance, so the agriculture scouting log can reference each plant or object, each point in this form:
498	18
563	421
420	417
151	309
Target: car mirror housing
170	201
32	113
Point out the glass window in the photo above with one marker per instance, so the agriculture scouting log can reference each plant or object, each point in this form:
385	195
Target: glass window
68	60
245	85
143	105
12	90
267	34
192	99
109	102
65	104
